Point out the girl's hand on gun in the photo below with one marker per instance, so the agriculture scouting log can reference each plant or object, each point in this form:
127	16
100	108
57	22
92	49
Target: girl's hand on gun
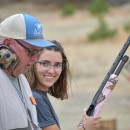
89	121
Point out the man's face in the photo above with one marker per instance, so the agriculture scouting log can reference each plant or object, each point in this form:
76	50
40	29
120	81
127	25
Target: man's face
22	50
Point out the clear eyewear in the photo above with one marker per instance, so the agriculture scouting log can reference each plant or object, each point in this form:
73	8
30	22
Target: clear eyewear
30	53
45	65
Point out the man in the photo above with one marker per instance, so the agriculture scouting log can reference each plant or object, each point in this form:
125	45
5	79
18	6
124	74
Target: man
21	40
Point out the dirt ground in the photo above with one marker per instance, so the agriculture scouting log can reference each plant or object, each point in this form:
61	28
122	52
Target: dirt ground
89	62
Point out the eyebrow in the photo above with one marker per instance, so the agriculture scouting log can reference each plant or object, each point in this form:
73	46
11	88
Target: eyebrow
50	62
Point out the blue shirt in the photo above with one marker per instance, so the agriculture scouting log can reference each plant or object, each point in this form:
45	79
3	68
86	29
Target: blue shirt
45	112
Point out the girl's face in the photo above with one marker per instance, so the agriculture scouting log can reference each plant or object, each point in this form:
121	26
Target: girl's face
48	70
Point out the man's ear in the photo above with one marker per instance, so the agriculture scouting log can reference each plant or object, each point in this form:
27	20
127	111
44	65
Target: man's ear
6	42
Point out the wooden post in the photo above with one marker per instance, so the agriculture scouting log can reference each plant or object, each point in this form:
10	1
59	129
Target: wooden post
107	124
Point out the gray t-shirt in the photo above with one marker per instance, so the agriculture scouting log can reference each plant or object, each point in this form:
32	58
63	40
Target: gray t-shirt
45	112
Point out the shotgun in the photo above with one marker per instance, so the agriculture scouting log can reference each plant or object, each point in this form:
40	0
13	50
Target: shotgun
109	82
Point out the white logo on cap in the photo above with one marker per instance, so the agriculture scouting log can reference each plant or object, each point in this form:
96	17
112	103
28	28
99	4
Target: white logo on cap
38	29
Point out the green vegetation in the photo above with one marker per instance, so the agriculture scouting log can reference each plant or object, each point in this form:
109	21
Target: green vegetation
98	7
102	32
68	10
127	26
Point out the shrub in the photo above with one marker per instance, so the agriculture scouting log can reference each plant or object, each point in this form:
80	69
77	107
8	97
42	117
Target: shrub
102	32
68	9
127	26
98	7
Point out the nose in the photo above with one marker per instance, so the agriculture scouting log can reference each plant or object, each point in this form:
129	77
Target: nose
51	69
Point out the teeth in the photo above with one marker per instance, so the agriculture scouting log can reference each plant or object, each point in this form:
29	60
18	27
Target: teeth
49	77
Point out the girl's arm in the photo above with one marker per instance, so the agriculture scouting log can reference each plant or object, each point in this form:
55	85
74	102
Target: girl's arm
51	127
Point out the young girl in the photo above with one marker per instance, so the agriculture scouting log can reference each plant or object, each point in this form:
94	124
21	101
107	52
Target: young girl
50	74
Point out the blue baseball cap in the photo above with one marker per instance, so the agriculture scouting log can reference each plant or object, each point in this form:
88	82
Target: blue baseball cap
24	27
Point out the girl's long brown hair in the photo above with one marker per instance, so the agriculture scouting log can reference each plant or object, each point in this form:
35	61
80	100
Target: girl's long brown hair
60	87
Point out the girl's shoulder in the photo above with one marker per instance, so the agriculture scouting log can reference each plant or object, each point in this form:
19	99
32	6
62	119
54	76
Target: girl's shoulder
38	94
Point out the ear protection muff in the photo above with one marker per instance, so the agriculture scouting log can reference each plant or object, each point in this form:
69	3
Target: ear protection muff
8	59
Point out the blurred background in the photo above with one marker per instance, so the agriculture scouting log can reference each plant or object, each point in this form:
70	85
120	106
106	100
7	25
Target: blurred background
92	33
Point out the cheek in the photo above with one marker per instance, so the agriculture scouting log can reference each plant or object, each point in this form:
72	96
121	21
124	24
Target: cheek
39	72
58	75
38	68
24	59
39	76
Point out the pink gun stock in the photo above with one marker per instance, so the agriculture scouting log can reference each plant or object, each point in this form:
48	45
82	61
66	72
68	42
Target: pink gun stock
105	93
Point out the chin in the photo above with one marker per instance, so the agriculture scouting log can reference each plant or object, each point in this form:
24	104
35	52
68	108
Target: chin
50	86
